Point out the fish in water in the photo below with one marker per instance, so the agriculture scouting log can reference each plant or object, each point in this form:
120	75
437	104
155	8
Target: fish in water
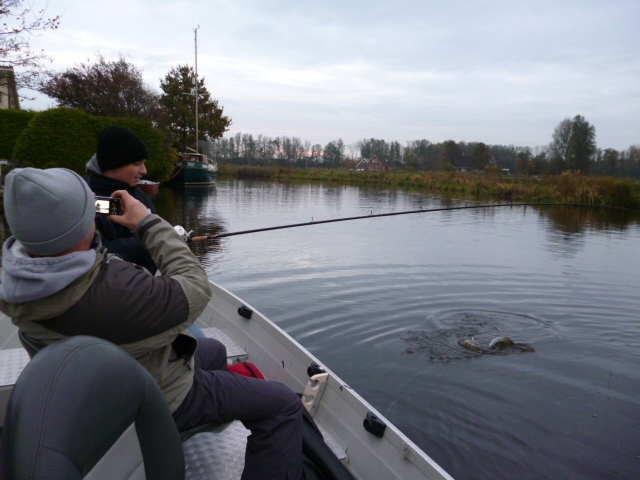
498	344
501	342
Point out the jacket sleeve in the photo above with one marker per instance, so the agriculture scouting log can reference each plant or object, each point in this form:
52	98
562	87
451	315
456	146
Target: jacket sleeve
175	260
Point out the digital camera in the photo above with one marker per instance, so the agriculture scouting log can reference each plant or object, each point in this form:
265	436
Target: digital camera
108	206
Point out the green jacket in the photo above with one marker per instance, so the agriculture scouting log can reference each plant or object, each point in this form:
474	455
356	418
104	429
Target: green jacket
121	302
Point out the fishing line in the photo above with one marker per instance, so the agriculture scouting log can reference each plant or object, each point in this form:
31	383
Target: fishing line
391	214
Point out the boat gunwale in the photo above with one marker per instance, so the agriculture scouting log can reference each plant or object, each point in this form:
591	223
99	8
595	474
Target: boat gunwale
406	454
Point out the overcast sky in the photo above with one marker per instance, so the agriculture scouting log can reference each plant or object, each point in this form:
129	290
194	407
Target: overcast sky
496	71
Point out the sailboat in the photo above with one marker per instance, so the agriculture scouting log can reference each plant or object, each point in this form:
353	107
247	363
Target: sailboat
192	167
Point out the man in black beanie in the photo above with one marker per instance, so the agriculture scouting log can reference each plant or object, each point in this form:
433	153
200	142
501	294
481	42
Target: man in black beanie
119	165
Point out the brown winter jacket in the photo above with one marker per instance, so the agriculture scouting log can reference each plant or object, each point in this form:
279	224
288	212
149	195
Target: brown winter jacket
121	302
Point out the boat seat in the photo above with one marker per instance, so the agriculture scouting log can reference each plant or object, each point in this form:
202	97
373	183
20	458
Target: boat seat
13	361
227	440
84	408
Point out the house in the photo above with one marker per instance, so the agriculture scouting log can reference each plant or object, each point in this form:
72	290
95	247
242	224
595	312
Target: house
464	164
371	165
8	90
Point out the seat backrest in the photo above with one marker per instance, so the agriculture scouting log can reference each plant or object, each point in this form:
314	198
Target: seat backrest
84	408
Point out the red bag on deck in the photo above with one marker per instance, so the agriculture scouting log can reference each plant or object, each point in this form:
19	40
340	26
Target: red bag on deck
247	369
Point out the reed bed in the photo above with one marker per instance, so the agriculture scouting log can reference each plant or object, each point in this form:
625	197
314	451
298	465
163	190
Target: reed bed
570	187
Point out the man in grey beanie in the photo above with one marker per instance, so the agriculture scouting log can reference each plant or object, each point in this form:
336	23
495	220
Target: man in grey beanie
57	280
49	211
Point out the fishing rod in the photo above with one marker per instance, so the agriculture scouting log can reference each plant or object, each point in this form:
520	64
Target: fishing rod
391	214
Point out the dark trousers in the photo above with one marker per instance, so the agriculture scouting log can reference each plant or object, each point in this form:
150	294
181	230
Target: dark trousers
270	410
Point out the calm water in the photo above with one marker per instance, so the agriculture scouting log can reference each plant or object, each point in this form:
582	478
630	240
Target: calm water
383	302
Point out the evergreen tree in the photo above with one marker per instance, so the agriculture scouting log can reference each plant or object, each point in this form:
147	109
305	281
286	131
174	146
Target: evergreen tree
180	108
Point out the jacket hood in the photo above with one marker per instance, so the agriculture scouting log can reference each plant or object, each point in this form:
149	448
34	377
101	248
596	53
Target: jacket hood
25	279
92	165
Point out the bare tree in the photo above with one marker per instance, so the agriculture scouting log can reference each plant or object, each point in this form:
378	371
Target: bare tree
107	88
19	22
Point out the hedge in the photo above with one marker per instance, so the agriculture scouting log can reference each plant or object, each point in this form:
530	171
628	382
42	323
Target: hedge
12	123
66	137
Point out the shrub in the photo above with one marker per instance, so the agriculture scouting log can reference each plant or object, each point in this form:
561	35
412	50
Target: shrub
66	137
12	123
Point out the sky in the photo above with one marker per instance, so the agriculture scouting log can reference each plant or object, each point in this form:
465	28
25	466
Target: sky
501	72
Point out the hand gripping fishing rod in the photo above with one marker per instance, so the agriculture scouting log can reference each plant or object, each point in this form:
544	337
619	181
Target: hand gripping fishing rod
390	214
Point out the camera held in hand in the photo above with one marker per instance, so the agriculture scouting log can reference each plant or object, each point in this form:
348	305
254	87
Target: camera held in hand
108	206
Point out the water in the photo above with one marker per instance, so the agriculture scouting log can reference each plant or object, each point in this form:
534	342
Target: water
383	302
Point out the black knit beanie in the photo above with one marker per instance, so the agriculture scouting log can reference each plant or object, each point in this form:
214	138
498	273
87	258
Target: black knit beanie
118	146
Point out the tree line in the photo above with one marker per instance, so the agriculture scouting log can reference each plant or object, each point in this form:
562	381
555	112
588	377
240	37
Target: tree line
572	147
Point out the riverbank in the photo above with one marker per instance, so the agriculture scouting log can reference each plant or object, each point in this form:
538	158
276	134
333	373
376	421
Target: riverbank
570	187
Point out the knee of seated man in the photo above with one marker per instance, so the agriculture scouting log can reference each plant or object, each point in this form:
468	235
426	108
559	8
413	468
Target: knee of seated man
292	404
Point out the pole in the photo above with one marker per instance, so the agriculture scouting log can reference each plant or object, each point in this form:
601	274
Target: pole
195	30
390	214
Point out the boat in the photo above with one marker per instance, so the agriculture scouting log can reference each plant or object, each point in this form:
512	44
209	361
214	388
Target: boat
149	187
368	444
194	169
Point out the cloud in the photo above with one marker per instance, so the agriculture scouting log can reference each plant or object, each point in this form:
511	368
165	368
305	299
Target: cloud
501	72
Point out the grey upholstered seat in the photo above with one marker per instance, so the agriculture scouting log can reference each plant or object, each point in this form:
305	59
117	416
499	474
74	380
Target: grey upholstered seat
84	408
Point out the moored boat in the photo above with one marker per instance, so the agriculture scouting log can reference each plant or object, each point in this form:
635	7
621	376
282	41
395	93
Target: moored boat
149	187
368	444
194	169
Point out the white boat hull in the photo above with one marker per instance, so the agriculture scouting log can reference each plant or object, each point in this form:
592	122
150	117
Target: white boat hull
340	411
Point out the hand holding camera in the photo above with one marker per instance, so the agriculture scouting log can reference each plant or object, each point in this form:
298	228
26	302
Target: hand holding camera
133	210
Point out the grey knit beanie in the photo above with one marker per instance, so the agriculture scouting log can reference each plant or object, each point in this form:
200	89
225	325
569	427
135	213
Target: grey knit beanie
48	211
119	146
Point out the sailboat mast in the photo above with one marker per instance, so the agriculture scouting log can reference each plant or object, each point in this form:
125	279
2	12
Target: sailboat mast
195	30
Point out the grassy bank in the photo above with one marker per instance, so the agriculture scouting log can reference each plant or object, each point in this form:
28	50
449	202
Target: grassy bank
570	187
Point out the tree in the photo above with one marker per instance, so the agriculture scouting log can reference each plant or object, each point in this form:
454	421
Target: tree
524	162
481	156
334	153
559	147
316	153
631	161
610	161
582	146
180	107
107	88
376	147
420	154
573	145
451	154
19	23
396	154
